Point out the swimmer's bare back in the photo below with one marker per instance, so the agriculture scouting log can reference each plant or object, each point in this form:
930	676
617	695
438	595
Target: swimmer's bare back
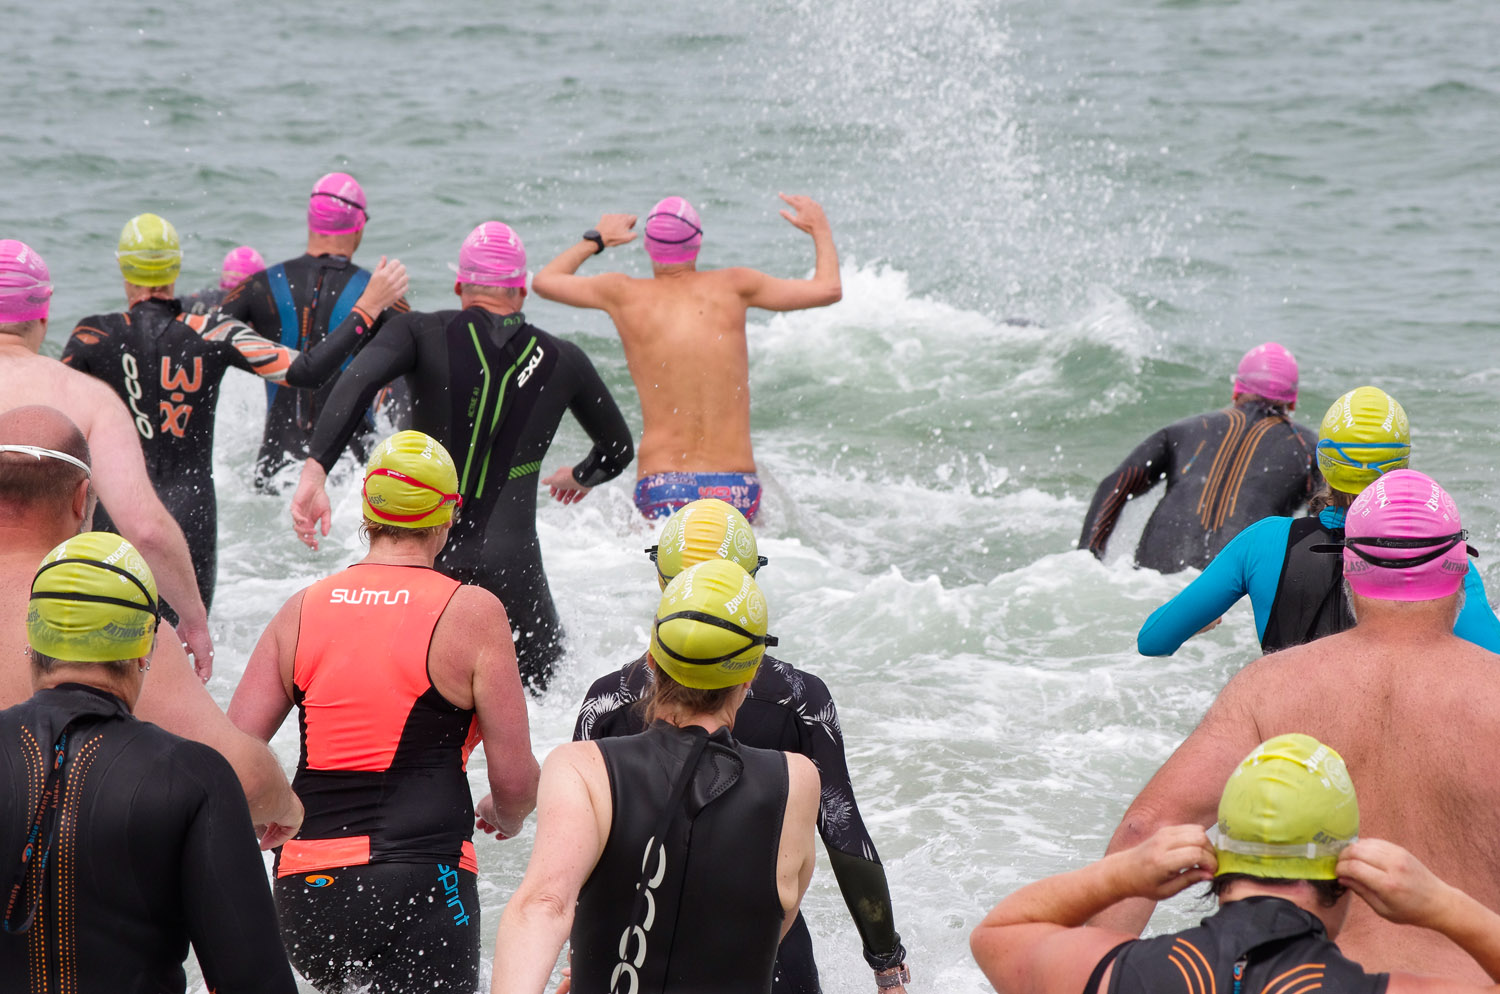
683	331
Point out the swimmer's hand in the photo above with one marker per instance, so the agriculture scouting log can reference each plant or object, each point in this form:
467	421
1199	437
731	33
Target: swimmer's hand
310	507
809	216
1173	859
564	488
566	984
1211	625
282	828
615	229
387	285
487	819
196	640
1395	884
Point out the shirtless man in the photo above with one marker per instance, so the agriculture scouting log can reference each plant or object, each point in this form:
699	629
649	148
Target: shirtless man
684	336
45	498
1414	710
120	473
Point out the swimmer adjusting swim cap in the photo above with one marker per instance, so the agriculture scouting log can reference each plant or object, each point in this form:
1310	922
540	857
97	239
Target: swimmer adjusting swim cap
93	600
1365	433
1270	371
710	629
148	251
673	232
1287	811
411	482
492	255
702	530
240	264
1404	541
25	284
336	206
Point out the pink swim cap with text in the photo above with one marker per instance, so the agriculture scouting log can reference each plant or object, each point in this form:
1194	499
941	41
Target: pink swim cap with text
673	232
25	284
336	205
492	255
240	263
1270	371
1404	541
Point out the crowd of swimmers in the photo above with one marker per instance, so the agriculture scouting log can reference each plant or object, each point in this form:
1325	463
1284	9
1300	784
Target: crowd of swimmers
674	835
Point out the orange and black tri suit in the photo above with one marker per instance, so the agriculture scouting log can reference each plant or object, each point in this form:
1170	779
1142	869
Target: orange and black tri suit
1224	471
166	366
1258	945
379	887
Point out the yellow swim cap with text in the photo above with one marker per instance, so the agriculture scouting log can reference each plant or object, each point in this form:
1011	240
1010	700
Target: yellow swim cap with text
710	629
149	252
93	600
411	482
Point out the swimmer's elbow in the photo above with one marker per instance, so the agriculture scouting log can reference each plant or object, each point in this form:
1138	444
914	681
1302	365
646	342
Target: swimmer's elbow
832	295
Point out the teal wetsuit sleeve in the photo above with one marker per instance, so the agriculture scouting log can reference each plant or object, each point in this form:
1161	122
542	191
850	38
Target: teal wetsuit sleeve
1249	564
1477	622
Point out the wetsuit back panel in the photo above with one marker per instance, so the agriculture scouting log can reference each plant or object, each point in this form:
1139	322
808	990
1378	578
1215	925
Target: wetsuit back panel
382	767
715	892
1310	601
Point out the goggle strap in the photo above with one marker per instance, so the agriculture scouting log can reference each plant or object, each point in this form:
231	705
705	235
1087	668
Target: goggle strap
709	619
673	241
151	607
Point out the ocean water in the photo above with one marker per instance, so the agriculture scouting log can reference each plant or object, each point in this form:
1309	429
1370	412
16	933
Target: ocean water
1152	187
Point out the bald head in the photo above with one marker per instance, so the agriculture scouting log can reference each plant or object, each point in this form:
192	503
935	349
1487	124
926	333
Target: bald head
32	475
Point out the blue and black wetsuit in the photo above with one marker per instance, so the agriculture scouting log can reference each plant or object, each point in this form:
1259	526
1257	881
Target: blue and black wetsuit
166	366
493	389
791	711
1223	470
1260	561
299	303
144	843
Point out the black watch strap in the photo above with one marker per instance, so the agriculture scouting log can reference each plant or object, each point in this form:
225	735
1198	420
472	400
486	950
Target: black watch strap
592	235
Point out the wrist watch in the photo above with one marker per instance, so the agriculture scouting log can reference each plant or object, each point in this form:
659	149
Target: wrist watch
896	976
592	235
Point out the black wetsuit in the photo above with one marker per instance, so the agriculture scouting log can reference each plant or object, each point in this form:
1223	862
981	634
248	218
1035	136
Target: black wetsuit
492	389
791	711
298	303
1258	944
166	366
701	911
1224	470
151	848
203	301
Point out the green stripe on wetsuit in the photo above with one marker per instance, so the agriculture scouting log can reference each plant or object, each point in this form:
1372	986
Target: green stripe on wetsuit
525	469
484	396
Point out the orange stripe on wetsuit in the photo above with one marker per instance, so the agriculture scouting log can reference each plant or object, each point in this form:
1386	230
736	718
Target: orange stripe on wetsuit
383	753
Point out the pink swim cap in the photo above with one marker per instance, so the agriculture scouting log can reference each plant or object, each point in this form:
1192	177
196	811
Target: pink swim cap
673	232
336	205
240	263
1403	540
1270	371
25	284
492	255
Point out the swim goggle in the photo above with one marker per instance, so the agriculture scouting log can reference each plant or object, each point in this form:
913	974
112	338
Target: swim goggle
672	241
1437	545
345	201
765	641
1378	465
41	453
445	498
152	606
652	552
1278	850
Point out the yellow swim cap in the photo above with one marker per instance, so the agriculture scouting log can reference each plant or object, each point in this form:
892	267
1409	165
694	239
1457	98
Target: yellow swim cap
93	600
411	482
705	529
710	630
149	252
1287	811
1365	433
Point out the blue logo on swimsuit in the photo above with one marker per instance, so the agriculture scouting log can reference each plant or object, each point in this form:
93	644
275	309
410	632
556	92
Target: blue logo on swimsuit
318	880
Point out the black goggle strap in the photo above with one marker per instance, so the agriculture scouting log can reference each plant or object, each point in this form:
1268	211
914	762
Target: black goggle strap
652	552
151	607
1437	545
43	827
346	201
708	619
673	241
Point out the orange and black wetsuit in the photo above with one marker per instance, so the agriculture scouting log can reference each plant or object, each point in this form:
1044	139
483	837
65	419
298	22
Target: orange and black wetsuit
1224	470
166	366
379	887
142	842
299	303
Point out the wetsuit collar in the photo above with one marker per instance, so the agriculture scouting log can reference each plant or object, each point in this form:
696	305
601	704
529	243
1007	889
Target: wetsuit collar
1257	921
172	306
1333	517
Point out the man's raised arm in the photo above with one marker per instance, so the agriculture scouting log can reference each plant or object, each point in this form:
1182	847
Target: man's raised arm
824	288
558	279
